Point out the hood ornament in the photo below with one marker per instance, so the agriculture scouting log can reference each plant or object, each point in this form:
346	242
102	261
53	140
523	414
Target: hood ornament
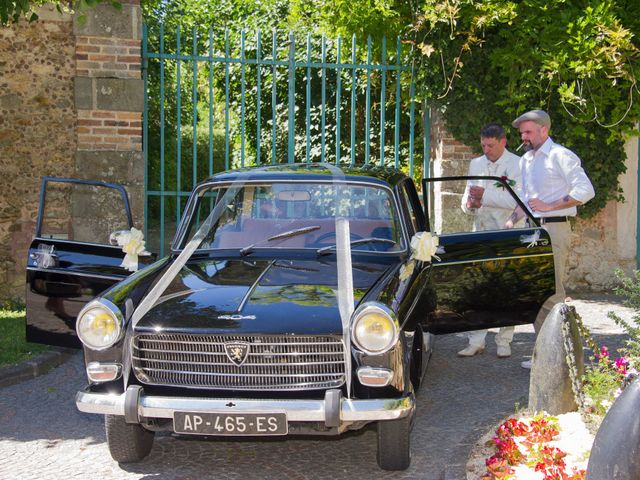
237	352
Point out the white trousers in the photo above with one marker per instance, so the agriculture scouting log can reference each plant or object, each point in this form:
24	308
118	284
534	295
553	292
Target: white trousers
560	234
503	338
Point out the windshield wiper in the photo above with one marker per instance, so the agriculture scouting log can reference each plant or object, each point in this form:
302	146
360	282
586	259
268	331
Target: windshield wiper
290	233
360	241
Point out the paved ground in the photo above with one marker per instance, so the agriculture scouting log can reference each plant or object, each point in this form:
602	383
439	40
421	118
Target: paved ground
43	436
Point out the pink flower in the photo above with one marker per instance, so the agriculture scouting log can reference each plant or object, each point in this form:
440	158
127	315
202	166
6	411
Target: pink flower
604	352
621	365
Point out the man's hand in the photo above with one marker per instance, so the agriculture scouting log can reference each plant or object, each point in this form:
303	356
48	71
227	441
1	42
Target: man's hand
476	192
473	203
513	219
538	205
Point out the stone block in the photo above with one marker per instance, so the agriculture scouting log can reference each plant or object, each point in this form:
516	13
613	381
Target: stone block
550	386
83	93
10	101
119	94
104	20
454	167
110	166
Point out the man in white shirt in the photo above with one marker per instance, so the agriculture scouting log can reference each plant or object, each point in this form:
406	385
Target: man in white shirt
491	204
553	184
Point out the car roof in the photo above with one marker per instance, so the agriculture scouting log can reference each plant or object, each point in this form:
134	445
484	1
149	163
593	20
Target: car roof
314	172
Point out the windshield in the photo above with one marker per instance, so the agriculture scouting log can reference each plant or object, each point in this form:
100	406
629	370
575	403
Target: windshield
298	215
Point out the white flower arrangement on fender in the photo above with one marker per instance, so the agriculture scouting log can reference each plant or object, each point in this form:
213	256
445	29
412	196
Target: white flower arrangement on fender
132	243
424	247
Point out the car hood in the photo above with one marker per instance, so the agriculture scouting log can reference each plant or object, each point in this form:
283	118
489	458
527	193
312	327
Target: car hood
262	296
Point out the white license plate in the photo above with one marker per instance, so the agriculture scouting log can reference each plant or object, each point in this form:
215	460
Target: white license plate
230	424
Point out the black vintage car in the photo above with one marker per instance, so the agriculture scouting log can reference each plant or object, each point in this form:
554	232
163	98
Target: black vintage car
297	299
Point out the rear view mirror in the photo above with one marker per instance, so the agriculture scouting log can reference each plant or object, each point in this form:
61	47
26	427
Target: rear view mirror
294	196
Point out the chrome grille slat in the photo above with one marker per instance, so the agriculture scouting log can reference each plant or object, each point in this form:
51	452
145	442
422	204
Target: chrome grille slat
274	362
246	364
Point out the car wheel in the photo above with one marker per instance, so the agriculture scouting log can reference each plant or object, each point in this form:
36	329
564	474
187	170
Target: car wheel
394	451
128	442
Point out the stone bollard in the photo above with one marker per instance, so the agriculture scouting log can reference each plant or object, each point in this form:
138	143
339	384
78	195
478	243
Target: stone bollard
550	381
615	454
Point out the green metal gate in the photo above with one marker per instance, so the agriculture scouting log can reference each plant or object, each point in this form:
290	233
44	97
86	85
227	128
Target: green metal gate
216	102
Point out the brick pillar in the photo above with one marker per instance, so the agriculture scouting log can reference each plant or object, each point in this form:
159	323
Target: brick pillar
450	157
109	99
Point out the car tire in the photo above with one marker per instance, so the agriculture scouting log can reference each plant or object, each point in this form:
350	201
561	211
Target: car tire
127	442
394	452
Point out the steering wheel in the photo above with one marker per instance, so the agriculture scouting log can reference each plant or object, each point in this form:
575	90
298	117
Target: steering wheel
321	241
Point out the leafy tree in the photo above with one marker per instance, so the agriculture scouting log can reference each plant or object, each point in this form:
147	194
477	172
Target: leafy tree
490	60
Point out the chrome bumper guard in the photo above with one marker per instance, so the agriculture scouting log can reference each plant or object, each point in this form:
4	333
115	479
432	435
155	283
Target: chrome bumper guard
333	410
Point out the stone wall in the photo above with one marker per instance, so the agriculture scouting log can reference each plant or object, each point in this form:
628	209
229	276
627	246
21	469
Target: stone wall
37	130
71	101
608	241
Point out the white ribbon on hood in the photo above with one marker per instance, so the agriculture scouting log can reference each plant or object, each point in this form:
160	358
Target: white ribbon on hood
343	265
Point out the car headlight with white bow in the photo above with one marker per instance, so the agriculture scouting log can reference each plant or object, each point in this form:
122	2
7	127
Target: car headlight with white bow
374	328
99	324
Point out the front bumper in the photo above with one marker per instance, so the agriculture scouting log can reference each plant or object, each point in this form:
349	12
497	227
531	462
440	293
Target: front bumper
334	410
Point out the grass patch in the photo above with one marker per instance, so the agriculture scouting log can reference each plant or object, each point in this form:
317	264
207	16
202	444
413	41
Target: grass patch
13	345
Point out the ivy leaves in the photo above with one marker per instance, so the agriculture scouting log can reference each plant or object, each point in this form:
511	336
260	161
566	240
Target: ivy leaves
11	11
490	60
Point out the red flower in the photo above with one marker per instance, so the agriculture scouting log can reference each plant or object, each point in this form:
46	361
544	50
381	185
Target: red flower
549	461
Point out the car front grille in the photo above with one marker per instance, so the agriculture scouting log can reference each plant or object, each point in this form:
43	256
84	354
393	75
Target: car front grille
271	362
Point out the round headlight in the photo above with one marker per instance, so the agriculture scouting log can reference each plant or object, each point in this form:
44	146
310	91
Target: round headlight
374	329
99	325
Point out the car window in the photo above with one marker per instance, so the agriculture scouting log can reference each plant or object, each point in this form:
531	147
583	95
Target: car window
82	212
449	212
262	211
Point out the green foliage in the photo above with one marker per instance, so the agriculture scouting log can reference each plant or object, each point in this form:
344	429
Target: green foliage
375	18
630	290
12	11
601	384
245	124
491	60
233	15
604	376
12	304
13	346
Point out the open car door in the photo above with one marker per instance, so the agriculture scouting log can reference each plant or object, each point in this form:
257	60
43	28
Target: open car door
70	258
484	278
